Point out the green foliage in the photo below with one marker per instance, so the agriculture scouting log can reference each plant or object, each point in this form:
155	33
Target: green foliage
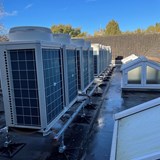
101	32
138	31
112	28
68	29
153	29
83	34
3	33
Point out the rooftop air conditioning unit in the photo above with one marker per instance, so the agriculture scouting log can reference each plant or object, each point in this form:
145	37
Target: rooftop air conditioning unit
70	67
97	52
28	33
109	54
106	57
1	97
0	80
91	62
33	78
83	61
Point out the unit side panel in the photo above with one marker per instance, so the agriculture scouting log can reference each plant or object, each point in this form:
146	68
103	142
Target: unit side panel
6	87
72	74
25	89
85	68
79	69
91	65
95	64
100	61
52	68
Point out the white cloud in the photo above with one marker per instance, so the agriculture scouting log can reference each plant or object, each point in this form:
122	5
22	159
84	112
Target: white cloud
28	6
5	14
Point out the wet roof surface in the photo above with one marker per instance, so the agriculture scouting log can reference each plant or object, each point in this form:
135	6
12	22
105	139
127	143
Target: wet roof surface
38	147
100	145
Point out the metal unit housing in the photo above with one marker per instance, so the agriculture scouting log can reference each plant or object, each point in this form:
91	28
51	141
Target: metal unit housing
34	84
102	58
85	64
70	67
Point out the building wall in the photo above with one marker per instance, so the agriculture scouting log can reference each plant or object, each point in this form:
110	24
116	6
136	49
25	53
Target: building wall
125	45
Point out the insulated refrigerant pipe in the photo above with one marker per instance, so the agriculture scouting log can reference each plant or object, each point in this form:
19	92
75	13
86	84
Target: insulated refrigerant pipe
59	134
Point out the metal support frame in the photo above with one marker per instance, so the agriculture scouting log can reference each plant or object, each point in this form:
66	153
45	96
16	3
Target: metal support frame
9	148
60	135
4	131
83	112
62	147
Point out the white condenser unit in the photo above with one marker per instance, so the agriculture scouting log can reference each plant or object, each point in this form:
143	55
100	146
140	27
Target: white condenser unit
1	96
90	61
97	53
83	64
70	67
33	71
91	64
0	78
109	54
102	58
106	57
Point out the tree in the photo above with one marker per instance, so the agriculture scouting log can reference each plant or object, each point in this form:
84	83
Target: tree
112	28
3	31
154	29
83	34
101	32
127	32
138	31
68	29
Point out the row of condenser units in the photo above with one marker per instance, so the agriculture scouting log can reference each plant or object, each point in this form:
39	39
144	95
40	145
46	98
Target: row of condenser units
43	73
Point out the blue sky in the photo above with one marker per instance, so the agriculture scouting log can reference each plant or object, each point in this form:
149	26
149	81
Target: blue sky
90	15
